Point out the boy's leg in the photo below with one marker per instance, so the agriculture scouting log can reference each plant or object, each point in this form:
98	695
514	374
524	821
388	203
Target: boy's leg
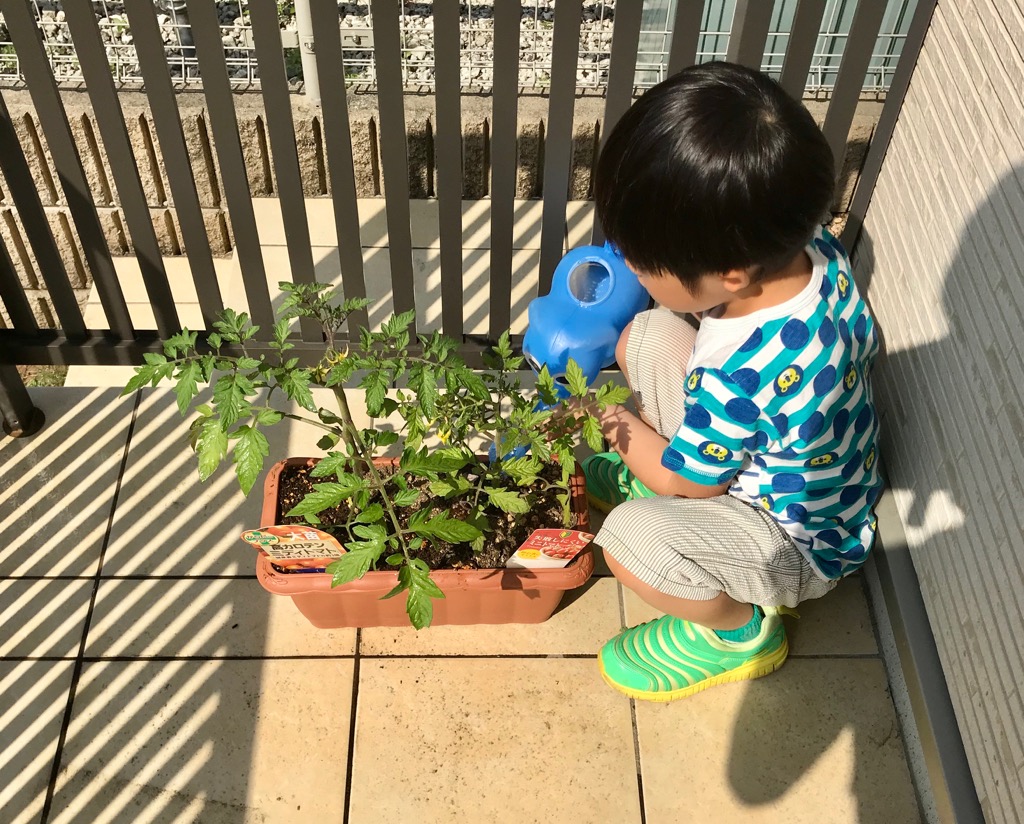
653	352
703	563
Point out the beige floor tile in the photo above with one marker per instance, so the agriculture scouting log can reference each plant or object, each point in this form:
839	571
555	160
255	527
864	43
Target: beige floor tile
585	619
43	618
502	740
204	617
476	224
33	697
210	741
816	741
167	522
56	488
838	624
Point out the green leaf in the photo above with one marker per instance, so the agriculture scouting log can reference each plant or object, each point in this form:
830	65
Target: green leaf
268	417
370	515
186	389
386	437
248	363
426	463
522	470
154	358
504	346
395	559
295	383
214	340
508	501
592	433
405	497
332	464
546	386
229	397
370	532
248	455
575	378
446	487
204	409
142	377
281	332
211	447
355	562
443	527
421	590
611	393
376	386
328	441
325	496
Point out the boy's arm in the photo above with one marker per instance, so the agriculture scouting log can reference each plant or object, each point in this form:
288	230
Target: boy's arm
641	448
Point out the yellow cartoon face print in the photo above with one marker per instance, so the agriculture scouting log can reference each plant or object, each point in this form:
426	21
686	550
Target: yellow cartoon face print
715	451
850	378
766	501
788	380
821	460
843	282
693	380
869	461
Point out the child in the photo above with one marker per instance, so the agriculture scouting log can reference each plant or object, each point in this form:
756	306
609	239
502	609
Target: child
747	483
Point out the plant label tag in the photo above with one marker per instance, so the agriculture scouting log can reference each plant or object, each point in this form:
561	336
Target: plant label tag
549	549
295	546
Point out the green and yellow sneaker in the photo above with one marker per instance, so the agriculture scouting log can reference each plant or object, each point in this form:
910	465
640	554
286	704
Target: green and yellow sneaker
669	658
609	481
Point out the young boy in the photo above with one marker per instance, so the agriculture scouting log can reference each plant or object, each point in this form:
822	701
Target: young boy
747	483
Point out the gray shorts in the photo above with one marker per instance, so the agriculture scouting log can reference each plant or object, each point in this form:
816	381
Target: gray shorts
687	547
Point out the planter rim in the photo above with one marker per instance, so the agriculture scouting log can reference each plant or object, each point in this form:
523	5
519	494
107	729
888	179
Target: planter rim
382	581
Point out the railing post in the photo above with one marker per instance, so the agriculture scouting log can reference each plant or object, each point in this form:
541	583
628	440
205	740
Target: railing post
20	417
307	51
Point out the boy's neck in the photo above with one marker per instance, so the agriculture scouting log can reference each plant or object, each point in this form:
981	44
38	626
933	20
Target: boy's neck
773	291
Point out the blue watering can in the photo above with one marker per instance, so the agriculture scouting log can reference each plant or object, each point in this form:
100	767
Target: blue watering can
593	296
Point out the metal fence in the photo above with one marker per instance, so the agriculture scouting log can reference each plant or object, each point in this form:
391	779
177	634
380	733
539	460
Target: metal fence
69	341
476	42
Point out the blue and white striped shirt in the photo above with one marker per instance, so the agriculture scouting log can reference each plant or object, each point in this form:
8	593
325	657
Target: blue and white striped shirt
779	402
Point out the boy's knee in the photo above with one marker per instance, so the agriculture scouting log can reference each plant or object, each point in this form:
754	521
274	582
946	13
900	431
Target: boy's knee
620	349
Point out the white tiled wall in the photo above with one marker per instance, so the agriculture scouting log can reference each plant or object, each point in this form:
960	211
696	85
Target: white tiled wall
942	257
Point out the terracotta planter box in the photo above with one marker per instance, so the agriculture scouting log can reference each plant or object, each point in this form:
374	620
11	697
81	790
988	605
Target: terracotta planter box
472	596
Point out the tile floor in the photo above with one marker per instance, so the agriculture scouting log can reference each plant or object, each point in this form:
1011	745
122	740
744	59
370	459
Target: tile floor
146	677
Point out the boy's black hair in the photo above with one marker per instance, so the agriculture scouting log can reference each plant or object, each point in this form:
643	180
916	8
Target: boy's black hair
716	168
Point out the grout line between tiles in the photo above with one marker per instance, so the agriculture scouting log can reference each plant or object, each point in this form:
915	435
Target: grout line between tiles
352	730
633	721
80	659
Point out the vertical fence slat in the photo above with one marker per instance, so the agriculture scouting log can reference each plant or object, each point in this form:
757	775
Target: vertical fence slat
803	38
338	146
685	35
621	73
224	124
281	128
12	293
393	149
448	140
887	121
42	87
19	416
504	124
110	120
163	108
37	228
558	140
867	22
749	32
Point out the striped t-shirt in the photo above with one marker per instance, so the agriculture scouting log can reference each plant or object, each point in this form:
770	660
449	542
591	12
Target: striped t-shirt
780	403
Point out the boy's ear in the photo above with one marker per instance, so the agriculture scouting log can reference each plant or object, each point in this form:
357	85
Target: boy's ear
736	280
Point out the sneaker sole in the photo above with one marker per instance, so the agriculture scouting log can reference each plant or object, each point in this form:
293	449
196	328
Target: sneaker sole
757	668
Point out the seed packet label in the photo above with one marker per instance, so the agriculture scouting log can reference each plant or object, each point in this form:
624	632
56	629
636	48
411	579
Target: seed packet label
294	544
550	549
